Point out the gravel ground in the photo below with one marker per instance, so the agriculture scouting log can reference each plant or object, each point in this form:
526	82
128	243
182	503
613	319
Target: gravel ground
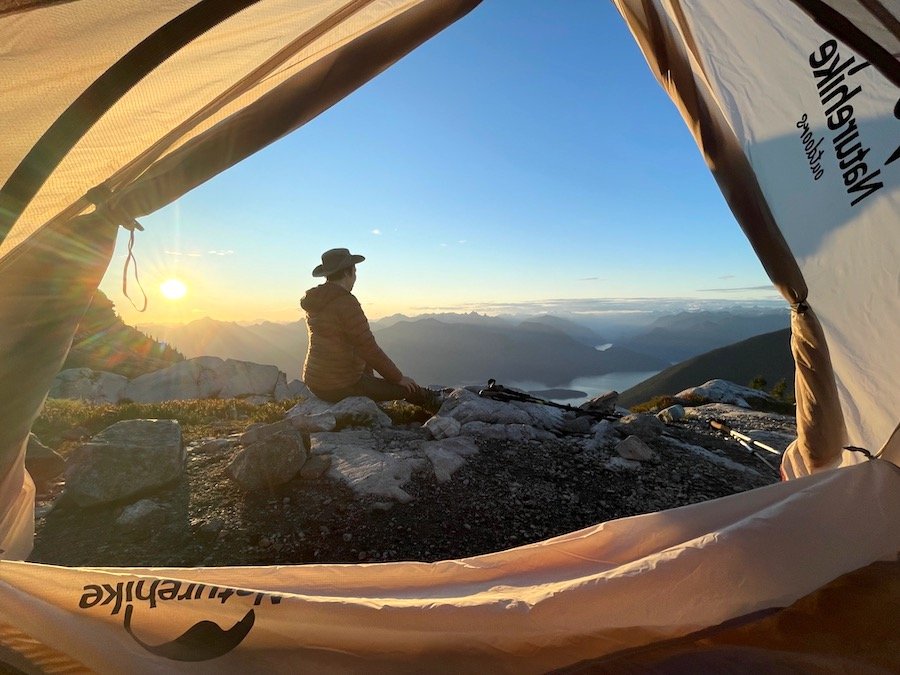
504	496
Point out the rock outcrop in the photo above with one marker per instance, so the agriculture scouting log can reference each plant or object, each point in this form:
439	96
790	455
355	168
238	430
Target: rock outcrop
723	391
197	378
95	386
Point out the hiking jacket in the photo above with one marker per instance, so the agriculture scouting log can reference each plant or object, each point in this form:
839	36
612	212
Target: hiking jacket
341	344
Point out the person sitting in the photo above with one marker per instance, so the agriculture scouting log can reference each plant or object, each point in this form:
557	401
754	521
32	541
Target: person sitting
343	354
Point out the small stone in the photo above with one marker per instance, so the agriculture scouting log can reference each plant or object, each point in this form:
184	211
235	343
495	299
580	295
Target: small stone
264	542
347	537
670	414
634	448
212	527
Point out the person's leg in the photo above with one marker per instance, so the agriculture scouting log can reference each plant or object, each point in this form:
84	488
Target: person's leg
378	389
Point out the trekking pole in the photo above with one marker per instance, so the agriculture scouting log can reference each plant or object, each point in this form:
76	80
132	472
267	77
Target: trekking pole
500	393
746	442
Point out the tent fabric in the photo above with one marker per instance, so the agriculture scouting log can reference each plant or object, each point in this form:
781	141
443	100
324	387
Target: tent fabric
40	314
70	174
847	626
828	242
124	71
616	585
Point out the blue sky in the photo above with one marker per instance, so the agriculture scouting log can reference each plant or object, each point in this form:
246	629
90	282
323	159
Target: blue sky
524	154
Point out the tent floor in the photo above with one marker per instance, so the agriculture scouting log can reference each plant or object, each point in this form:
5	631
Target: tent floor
847	626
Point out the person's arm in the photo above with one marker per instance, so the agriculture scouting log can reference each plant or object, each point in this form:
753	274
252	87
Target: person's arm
356	327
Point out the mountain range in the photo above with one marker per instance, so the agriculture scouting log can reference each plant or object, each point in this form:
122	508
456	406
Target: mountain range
469	348
765	356
680	336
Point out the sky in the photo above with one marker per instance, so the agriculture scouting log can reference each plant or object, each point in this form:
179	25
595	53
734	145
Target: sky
523	157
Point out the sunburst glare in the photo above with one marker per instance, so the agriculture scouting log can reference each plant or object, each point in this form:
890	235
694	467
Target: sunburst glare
173	289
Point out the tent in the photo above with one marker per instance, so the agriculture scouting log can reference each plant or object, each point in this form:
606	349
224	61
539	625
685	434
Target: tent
111	110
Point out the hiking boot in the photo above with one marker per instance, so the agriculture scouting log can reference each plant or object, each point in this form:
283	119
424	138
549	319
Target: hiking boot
429	399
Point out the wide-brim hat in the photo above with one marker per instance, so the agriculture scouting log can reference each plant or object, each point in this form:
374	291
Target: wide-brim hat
335	260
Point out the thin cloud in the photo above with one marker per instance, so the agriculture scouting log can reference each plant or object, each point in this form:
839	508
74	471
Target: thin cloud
589	279
180	253
376	231
726	276
733	290
600	306
229	252
461	241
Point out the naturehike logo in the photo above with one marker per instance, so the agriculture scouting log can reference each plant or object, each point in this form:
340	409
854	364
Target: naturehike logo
203	641
833	75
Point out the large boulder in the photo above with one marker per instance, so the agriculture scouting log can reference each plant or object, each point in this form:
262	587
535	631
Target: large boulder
210	377
352	411
723	391
269	462
125	460
604	404
301	423
191	379
448	454
358	461
643	425
96	386
465	406
442	427
240	379
42	463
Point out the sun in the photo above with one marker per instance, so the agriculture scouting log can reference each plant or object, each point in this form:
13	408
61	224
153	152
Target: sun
173	289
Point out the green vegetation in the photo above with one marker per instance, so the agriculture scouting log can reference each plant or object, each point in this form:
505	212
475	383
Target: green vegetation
758	382
783	403
104	342
403	412
780	392
198	418
655	404
658	403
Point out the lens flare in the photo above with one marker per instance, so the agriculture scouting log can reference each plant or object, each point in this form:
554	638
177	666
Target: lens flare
173	289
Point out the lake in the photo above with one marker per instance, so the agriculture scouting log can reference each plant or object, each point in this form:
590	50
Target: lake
593	385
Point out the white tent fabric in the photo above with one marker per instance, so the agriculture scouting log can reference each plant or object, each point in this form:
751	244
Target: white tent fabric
615	585
818	126
145	68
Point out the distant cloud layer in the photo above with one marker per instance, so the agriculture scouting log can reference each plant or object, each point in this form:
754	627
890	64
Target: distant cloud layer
768	287
588	306
194	254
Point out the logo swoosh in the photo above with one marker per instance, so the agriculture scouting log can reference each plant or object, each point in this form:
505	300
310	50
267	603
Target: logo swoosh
203	641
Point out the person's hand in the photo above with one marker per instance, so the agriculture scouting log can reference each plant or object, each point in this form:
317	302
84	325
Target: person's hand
408	383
